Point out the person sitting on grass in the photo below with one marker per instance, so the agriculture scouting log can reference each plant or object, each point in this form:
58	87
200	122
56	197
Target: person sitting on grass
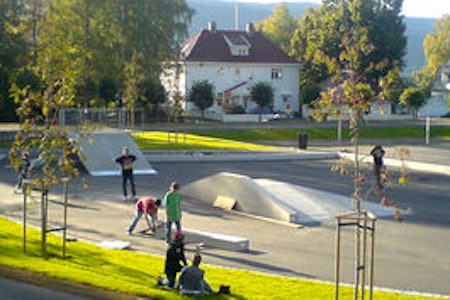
192	279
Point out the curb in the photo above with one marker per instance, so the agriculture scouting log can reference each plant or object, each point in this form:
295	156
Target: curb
411	165
228	156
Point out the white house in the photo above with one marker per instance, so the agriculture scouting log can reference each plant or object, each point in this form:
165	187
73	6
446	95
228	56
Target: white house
232	61
437	105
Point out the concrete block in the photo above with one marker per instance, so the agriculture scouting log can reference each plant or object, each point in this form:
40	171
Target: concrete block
217	240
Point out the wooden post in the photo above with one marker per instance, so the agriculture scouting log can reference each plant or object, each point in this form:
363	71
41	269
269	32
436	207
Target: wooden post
361	221
44	207
339	130
66	191
337	259
24	218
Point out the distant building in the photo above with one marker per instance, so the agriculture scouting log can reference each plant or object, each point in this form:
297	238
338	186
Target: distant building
437	104
232	61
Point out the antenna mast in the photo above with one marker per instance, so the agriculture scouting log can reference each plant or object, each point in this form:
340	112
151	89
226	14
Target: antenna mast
236	16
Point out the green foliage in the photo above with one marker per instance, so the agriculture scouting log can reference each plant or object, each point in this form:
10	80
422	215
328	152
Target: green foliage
352	93
262	94
309	92
279	27
107	90
202	95
413	97
153	92
13	51
437	53
392	86
237	110
87	43
40	132
122	271
322	32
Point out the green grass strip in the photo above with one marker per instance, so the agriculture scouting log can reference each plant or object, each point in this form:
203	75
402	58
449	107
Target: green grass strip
280	134
160	140
134	273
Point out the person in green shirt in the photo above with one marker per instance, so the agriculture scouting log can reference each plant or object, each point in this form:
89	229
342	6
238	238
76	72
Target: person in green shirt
173	210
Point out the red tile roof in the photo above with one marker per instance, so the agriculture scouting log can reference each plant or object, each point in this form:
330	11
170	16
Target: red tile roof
211	46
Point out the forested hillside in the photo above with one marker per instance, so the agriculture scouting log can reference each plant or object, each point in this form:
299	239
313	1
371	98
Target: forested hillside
223	13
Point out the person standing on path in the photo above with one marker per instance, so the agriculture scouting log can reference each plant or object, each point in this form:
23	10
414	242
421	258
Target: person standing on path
173	209
378	166
126	161
146	206
23	171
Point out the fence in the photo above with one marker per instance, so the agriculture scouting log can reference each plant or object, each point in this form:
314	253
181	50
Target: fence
108	117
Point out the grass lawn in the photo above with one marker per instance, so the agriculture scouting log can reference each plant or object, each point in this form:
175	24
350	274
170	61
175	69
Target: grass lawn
280	134
243	139
159	140
134	273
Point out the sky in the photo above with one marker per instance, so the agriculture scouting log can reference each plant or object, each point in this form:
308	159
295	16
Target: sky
411	8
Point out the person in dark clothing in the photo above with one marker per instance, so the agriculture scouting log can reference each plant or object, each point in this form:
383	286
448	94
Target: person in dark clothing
126	161
192	279
174	257
23	171
378	166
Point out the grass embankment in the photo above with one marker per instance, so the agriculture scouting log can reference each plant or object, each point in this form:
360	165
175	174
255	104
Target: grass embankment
242	139
281	134
132	273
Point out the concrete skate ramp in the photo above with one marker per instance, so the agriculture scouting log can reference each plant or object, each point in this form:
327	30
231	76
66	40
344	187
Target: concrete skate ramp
99	150
315	206
275	199
250	197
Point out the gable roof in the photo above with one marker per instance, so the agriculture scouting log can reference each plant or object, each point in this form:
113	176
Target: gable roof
211	46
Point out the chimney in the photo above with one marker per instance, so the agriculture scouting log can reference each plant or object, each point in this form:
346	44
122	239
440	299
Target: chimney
212	27
250	28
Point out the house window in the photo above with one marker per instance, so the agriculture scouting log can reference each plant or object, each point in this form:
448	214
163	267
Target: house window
277	73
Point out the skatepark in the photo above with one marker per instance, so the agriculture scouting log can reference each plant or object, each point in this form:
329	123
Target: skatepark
294	237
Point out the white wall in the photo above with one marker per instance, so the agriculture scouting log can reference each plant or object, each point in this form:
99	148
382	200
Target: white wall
226	75
436	106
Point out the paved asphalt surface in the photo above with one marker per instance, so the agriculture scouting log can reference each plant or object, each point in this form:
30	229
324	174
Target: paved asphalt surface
16	290
412	255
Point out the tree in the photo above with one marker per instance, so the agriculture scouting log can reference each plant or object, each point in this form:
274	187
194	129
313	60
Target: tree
278	27
202	95
351	90
392	86
153	93
413	97
89	41
13	51
437	53
262	94
318	36
41	133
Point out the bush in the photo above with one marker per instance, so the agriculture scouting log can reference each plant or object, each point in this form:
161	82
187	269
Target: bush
237	110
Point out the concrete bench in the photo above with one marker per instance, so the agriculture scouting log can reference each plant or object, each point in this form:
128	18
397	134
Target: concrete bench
217	240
